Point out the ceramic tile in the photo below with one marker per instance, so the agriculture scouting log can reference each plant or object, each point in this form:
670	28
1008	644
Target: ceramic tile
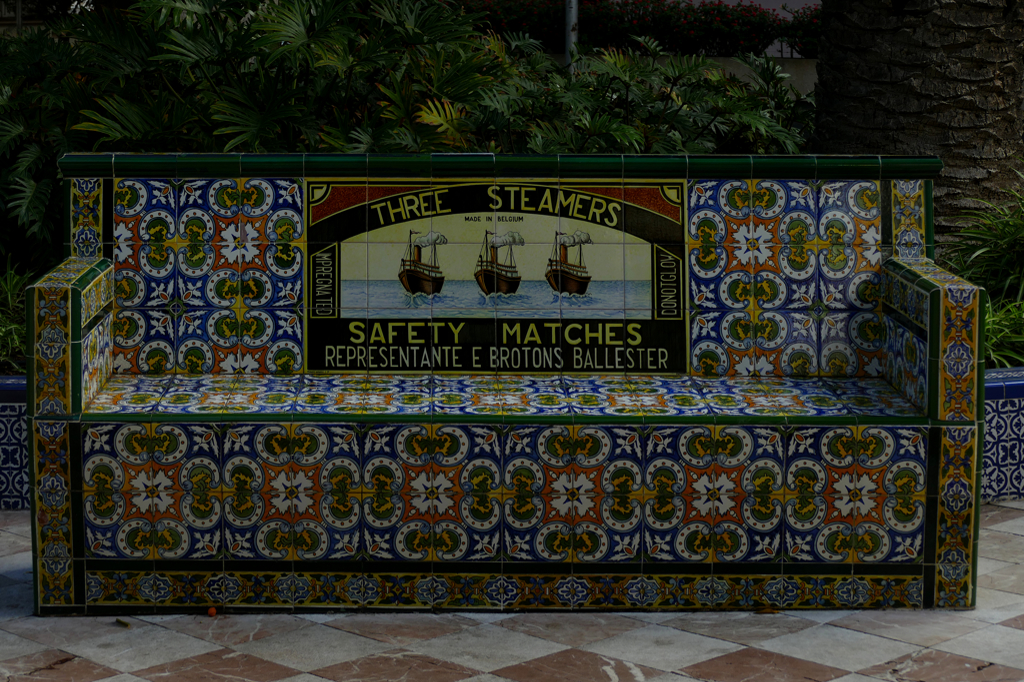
713	494
1001	477
152	491
872	398
14	466
722	244
722	343
129	394
790	280
143	341
786	343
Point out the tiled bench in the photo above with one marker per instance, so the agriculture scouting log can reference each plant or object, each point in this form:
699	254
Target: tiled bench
474	381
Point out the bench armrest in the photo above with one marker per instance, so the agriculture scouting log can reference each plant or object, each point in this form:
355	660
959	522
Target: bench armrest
933	312
69	336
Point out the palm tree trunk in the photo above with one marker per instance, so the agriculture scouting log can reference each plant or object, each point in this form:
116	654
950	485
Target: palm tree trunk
927	77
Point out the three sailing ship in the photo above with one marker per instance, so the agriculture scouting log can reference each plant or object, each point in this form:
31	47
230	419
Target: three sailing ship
494	274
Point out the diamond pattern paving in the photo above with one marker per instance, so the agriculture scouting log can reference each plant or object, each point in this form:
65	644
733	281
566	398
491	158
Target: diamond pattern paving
982	645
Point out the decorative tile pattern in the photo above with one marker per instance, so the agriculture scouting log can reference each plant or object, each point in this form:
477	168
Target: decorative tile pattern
377	590
953	580
215	271
958	354
856	494
905	298
54	573
465	485
86	217
908	218
1003	466
97	358
14	460
506	399
957	344
906	362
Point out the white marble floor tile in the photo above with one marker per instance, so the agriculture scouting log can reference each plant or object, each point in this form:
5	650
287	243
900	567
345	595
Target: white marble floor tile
820	616
15	600
838	647
137	647
652	617
1015	526
486	647
986	565
995	606
486	617
995	644
660	647
313	647
12	646
1012	504
17	567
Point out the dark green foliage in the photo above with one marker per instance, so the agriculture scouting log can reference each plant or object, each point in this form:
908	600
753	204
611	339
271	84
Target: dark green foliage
710	28
989	252
12	320
347	76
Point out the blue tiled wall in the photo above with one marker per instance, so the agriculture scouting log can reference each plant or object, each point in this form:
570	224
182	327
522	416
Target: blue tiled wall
13	445
1003	465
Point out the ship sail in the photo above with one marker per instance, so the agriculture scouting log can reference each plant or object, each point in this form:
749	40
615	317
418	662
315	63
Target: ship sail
491	274
417	276
564	276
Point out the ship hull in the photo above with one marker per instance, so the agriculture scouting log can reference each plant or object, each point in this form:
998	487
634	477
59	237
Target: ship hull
566	282
416	282
492	282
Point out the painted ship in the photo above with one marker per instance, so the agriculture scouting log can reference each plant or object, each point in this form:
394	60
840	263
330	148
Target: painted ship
419	276
564	276
491	274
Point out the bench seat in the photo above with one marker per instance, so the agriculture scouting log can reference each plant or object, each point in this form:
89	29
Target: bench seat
508	399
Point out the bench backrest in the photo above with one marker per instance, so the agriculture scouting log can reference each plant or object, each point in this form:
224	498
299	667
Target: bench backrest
480	264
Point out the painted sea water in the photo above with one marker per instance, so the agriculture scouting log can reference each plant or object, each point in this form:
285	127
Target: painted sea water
459	298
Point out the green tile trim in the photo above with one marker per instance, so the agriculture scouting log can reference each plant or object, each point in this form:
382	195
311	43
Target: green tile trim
398	166
848	167
575	165
142	166
929	219
589	166
208	166
655	166
525	166
316	165
462	165
739	167
87	165
784	167
897	167
273	165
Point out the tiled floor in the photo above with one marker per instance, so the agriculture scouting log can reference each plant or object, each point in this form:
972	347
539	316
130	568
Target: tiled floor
986	644
456	396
